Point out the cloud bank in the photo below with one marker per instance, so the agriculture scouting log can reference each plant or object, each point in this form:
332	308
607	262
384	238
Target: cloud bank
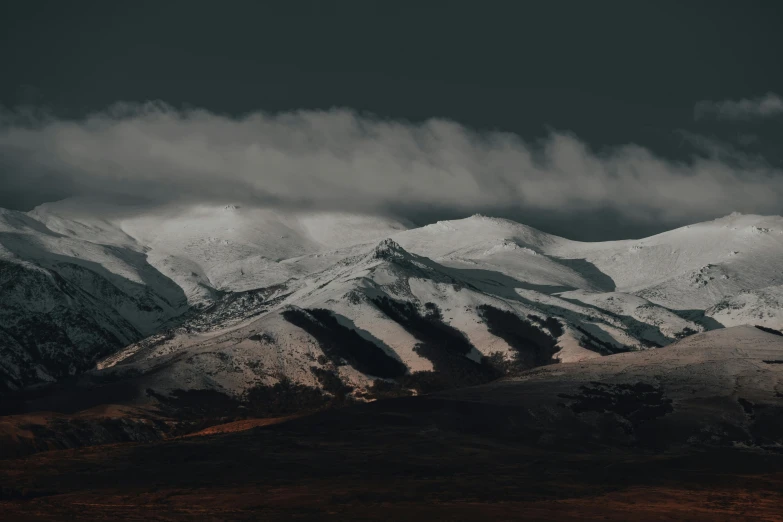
339	159
765	106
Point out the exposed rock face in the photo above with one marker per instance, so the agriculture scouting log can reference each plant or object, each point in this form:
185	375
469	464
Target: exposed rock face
54	328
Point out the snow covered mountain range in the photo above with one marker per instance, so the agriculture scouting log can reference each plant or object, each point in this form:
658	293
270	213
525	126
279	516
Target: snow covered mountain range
233	299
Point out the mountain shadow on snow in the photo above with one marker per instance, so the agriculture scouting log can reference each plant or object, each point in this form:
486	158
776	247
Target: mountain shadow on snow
532	347
342	345
442	344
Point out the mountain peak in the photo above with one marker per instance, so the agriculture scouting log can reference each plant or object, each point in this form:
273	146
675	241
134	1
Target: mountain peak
389	249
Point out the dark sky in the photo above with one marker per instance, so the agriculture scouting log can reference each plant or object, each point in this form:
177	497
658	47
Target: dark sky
612	72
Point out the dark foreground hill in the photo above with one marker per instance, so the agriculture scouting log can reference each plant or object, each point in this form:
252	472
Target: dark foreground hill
692	431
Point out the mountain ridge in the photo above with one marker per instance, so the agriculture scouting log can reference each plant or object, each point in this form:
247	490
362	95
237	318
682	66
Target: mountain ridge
223	266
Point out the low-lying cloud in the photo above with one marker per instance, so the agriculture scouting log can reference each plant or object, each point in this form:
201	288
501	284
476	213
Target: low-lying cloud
339	159
765	106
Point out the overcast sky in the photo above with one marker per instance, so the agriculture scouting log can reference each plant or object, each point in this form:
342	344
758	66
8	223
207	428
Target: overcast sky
597	120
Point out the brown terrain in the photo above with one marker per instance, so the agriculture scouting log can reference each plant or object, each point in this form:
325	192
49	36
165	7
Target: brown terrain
389	460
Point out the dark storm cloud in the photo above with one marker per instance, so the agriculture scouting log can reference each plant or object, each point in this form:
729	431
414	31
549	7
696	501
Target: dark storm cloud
765	106
342	160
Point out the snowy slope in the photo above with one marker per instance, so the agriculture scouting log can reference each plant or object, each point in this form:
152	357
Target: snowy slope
483	243
693	267
228	248
762	306
690	268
